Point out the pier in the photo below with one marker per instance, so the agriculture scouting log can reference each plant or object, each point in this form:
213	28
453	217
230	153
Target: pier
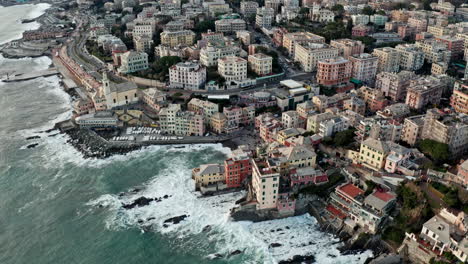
29	76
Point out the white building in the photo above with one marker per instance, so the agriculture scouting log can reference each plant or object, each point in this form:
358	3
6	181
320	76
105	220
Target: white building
411	57
187	75
209	55
264	17
232	68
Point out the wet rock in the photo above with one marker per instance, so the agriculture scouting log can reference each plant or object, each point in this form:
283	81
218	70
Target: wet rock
53	135
33	137
166	196
165	225
279	229
297	259
150	218
272	230
287	227
32	145
140	221
206	228
142	201
275	245
235	252
175	220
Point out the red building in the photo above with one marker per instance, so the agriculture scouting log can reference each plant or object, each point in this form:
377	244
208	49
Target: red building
236	170
306	176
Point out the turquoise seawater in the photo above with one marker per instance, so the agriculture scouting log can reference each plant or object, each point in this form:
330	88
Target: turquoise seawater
57	207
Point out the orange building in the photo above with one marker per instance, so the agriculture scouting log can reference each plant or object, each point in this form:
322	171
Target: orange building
334	71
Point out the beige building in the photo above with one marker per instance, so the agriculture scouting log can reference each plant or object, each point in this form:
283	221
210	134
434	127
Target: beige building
172	39
265	184
411	57
438	68
348	47
260	63
290	40
218	123
412	129
394	85
205	108
208	174
143	43
434	51
424	91
118	94
389	59
187	75
450	129
229	25
364	67
232	68
309	54
459	100
438	31
176	122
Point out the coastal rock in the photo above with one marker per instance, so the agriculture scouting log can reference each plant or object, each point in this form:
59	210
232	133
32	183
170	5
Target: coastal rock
206	228
33	137
235	252
275	245
175	220
32	145
297	259
142	201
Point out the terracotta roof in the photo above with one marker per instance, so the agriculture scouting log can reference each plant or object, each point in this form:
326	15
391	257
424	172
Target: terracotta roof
384	196
351	190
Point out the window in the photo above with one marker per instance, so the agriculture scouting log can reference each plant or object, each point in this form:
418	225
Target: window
263	180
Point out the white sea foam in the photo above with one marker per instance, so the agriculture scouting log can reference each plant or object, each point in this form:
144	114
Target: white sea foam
226	236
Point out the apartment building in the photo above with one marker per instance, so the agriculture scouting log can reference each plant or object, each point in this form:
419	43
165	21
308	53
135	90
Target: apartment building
451	129
389	59
454	45
177	122
143	43
411	57
373	153
209	55
364	67
434	51
232	68
412	129
394	85
290	40
201	107
459	100
355	104
248	8
419	23
424	91
229	25
187	75
291	119
330	127
438	31
261	64
172	39
361	30
264	17
334	71
208	174
378	20
313	122
348	47
360	19
265	184
132	61
309	54
374	98
237	168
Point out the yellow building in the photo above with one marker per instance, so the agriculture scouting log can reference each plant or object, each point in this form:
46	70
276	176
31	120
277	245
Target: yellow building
183	37
260	63
373	153
208	174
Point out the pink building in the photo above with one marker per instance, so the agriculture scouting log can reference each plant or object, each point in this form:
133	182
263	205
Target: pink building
303	177
286	204
334	71
455	45
361	31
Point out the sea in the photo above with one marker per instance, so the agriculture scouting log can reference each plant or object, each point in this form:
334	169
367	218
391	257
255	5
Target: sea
58	207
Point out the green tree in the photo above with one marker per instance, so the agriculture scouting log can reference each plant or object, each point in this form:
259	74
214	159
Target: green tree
304	10
204	26
367	10
344	138
338	9
439	152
